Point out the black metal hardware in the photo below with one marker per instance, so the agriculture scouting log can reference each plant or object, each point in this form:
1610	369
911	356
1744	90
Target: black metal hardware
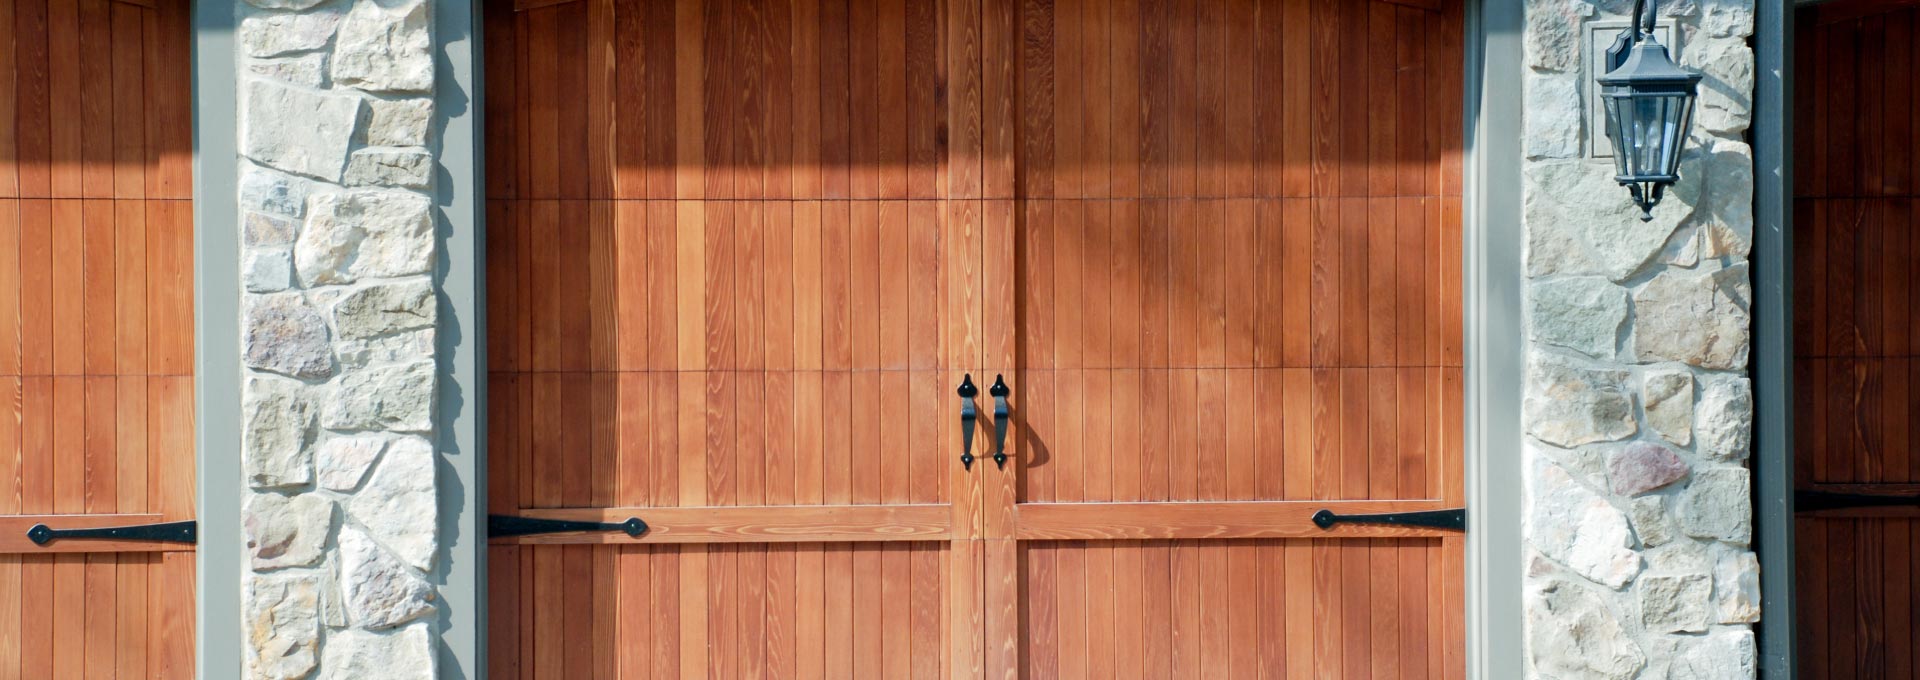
968	416
1451	520
165	532
1816	501
1000	416
510	525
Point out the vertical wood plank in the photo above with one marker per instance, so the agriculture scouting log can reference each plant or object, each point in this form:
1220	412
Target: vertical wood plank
169	133
68	318
33	96
10	287
94	93
170	289
64	101
9	105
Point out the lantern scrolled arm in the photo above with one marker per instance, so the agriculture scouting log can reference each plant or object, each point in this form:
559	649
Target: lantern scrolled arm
1649	107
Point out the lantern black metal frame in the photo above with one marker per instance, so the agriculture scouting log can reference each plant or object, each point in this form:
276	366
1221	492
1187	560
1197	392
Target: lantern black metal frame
1649	110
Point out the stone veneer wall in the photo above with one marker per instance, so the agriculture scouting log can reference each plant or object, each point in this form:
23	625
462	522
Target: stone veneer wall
1638	413
338	337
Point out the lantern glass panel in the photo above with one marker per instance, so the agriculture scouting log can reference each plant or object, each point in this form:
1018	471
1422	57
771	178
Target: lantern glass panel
1648	131
1649	136
1617	125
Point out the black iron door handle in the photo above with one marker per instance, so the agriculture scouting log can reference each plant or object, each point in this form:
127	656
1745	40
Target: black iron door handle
166	532
510	525
1452	520
1000	418
968	417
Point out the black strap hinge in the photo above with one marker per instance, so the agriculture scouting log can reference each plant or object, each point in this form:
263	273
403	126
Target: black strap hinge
165	532
1816	501
512	525
1452	520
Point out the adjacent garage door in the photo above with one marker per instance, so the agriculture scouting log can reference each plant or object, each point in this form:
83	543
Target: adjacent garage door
1856	477
743	254
96	336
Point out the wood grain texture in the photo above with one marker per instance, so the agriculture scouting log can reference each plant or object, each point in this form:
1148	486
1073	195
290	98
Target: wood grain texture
740	319
96	312
797	223
753	524
1214	521
1247	332
1854	354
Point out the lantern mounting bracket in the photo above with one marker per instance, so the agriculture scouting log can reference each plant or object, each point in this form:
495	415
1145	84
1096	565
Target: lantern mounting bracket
1639	25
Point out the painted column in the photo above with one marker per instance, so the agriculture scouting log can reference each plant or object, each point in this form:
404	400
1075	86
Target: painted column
1638	412
338	337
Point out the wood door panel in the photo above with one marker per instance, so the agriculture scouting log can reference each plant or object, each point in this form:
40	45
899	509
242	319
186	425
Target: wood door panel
1282	434
1132	99
94	615
698	439
96	335
1856	619
92	107
1854	345
1237	609
735	611
731	292
1237	301
721	99
650	286
785	378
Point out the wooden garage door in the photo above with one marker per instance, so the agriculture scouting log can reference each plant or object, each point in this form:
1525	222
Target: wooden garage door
1857	189
741	253
96	336
1238	305
729	296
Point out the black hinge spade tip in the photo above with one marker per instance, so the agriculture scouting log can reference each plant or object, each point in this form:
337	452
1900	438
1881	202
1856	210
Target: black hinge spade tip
1451	520
999	388
510	525
967	389
165	532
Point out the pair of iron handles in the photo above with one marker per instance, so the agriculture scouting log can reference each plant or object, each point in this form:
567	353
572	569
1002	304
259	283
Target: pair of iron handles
969	415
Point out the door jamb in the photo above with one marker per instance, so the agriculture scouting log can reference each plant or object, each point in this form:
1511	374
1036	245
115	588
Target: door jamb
1494	335
1772	280
460	347
219	649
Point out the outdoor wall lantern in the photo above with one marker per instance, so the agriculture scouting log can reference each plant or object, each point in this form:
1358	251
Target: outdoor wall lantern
1649	104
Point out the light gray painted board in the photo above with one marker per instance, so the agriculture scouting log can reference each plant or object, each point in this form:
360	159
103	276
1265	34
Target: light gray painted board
1494	338
216	220
458	188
